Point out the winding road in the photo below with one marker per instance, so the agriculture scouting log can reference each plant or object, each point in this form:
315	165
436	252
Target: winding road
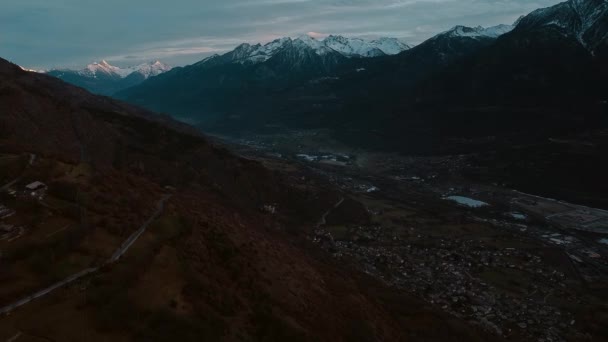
323	219
160	206
124	247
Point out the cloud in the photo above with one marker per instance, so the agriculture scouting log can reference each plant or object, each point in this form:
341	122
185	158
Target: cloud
43	33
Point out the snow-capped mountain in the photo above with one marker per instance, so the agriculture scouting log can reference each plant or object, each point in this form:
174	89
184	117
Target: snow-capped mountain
318	46
468	79
346	47
586	20
449	46
477	32
103	68
106	79
356	47
390	46
152	69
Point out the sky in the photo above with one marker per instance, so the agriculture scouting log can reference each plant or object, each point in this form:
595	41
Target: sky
43	34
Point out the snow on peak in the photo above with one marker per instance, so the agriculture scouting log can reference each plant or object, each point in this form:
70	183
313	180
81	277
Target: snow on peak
32	70
260	53
357	47
583	19
318	46
390	46
351	47
106	69
478	32
498	30
348	47
103	68
152	69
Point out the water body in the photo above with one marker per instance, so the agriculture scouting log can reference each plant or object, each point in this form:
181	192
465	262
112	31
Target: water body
467	202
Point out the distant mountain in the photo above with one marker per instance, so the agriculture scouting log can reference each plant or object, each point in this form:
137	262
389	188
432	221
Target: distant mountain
332	45
220	86
216	86
104	69
554	54
543	78
478	32
105	79
355	47
530	80
584	20
302	54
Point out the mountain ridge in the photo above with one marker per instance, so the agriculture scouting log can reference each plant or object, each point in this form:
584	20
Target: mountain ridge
280	64
509	70
106	79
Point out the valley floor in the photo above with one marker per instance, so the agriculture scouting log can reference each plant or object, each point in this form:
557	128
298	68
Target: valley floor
520	266
398	248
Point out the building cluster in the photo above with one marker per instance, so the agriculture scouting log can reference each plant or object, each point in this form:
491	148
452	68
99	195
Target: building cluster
465	278
10	231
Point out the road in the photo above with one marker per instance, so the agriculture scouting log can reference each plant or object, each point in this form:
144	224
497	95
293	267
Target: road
160	206
124	247
46	291
323	219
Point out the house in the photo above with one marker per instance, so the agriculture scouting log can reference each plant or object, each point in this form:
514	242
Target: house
35	186
35	190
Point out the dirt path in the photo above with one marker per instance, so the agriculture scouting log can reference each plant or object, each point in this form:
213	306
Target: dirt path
131	240
323	219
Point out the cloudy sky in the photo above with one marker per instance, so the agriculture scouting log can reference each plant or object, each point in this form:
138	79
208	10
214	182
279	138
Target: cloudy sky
72	33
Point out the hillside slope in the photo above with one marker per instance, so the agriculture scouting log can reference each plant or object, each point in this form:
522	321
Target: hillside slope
212	267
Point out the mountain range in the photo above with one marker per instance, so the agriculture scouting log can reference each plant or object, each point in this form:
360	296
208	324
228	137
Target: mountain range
351	244
465	81
106	79
332	45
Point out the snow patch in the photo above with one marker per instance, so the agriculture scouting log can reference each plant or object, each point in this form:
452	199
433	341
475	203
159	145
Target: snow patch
477	32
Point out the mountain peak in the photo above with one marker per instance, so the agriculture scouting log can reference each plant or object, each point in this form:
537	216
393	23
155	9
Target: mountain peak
105	69
583	19
307	41
390	46
347	47
477	32
150	69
